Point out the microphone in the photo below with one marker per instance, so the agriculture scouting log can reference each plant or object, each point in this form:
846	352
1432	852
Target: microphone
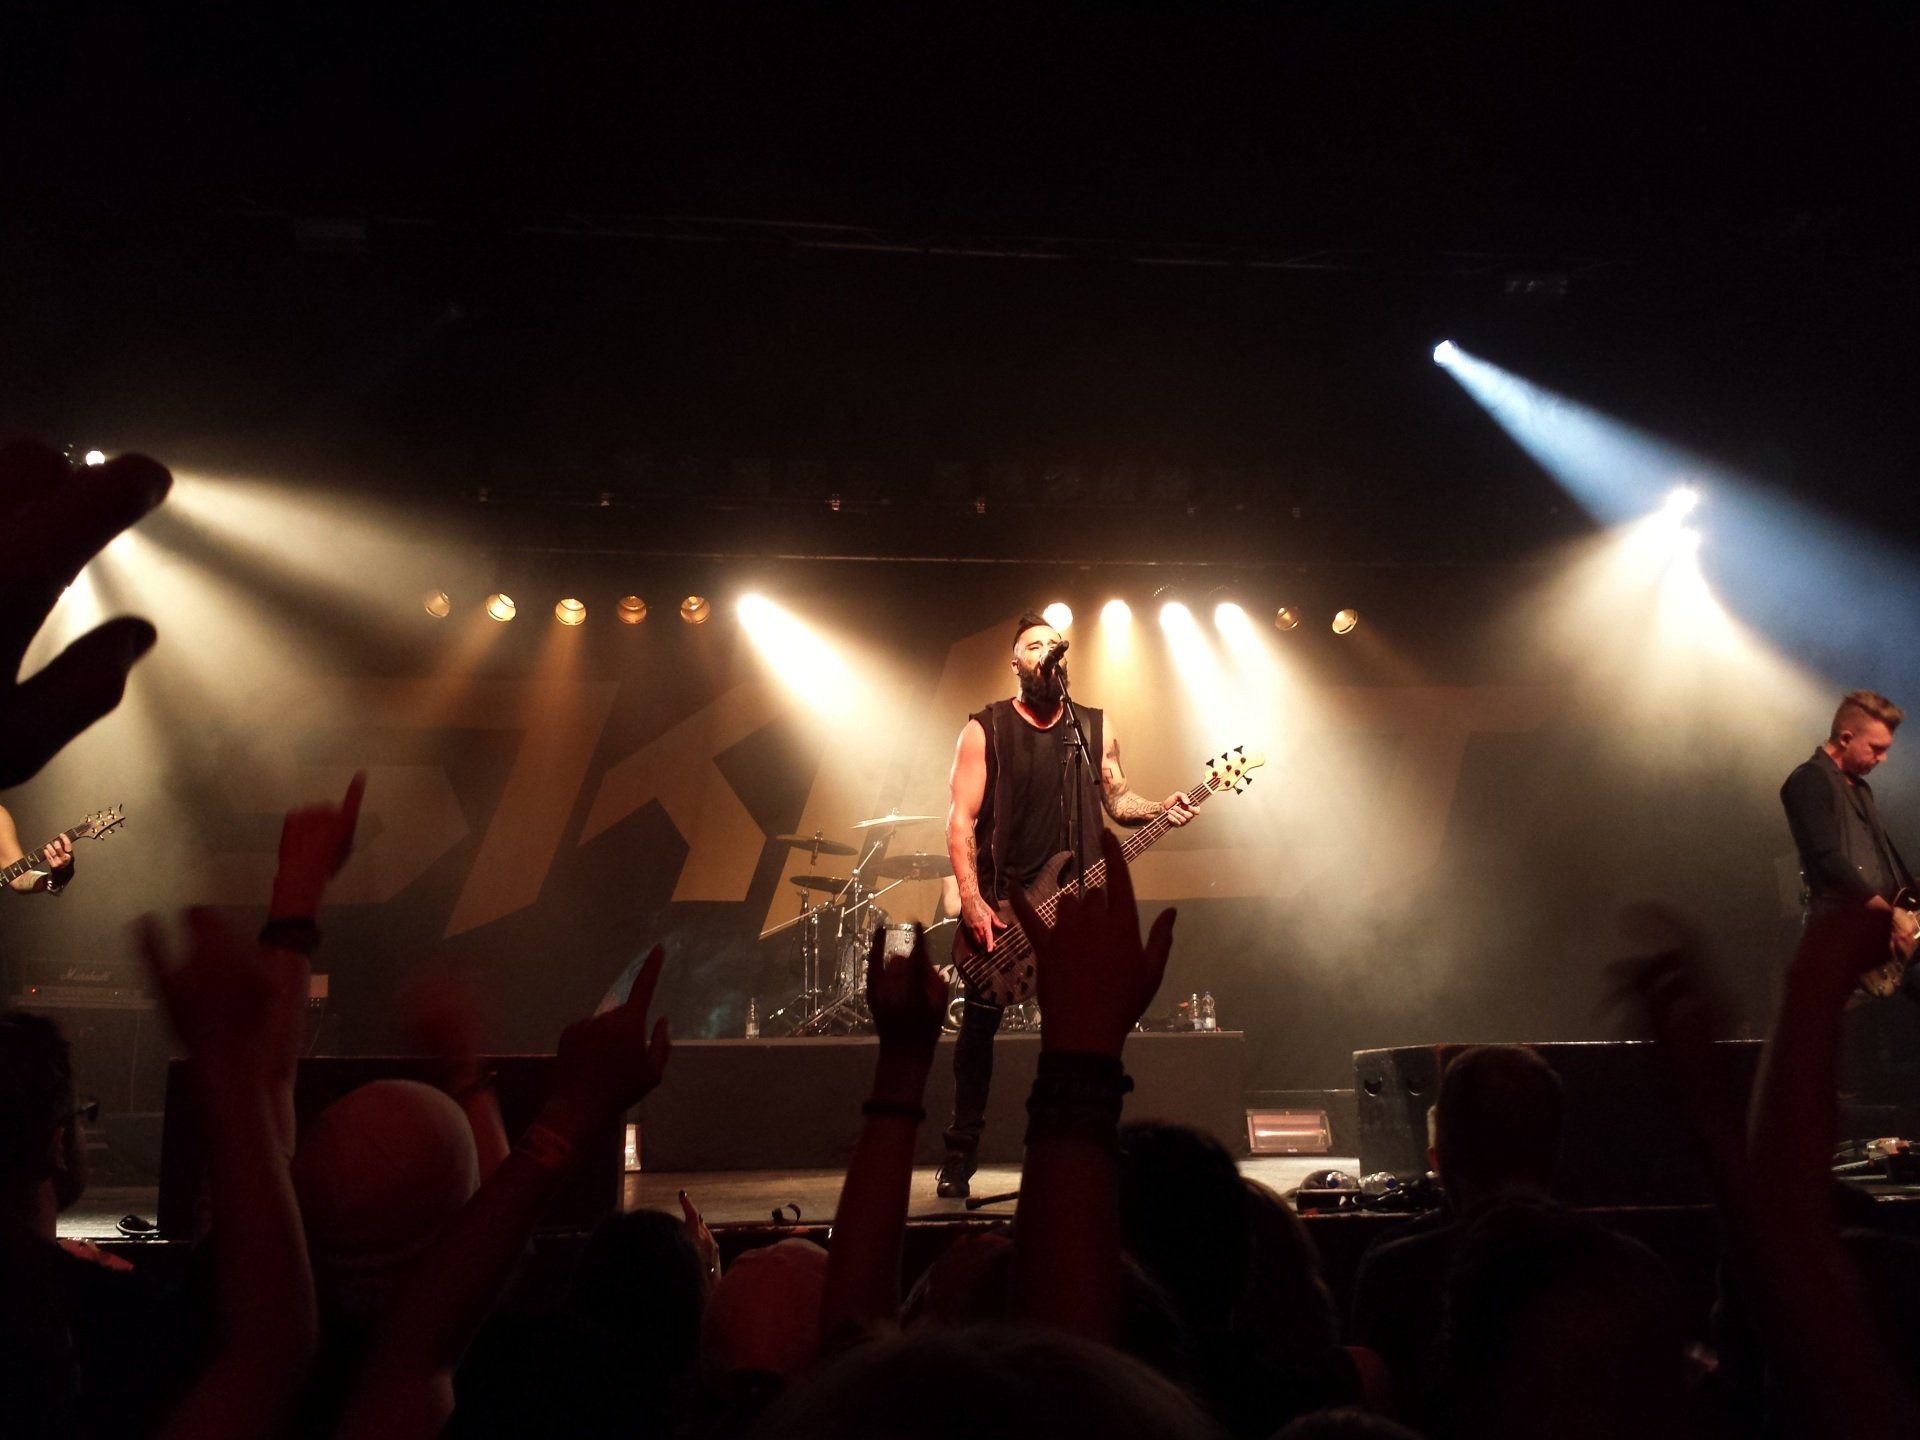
1056	654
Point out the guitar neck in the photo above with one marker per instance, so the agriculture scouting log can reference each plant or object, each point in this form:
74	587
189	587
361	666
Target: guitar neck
1142	839
32	859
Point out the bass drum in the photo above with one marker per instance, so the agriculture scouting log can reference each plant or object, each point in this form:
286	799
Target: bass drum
856	939
940	943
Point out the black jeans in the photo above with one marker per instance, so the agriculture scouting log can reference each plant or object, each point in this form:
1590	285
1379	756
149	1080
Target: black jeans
972	1074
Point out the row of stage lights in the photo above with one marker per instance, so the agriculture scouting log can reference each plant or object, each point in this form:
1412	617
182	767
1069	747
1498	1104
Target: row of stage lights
697	610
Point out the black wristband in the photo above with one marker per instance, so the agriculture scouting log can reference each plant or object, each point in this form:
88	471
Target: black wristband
295	933
1073	1080
894	1107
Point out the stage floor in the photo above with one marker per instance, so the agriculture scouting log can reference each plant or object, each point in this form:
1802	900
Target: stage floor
740	1197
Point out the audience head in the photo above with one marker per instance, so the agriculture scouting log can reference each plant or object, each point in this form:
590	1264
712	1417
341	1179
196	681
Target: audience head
941	1384
380	1173
1345	1423
1557	1326
1287	1304
1184	1217
1496	1124
642	1279
42	1169
764	1315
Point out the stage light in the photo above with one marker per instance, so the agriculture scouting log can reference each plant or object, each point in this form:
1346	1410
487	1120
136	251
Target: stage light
632	610
1058	615
1174	614
1116	612
96	457
695	609
1444	352
1344	621
1286	618
1682	501
439	604
807	664
570	612
500	607
1228	615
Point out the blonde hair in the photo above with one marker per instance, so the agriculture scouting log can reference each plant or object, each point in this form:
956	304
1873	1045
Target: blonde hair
1865	704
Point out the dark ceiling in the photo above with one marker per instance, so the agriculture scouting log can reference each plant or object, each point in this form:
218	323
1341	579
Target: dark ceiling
1126	258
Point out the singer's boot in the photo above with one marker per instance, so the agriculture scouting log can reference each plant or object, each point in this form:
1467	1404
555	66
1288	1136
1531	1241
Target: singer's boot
955	1171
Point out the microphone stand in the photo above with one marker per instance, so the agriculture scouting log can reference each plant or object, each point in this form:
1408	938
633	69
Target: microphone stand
1069	793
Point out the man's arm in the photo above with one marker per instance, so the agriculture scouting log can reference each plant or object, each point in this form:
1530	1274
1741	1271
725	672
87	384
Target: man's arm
966	792
1809	802
1126	807
55	857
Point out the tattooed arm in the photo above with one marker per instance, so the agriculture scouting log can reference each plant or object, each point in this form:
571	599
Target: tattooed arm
1126	807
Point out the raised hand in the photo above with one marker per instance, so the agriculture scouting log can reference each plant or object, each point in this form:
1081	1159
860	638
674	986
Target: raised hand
219	996
703	1241
58	853
1095	978
906	996
614	1059
53	520
315	843
1670	986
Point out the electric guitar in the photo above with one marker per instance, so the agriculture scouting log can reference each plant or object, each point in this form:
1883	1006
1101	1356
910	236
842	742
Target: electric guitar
1004	975
96	826
1884	979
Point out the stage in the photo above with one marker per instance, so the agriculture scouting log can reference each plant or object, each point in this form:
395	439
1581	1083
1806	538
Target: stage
733	1197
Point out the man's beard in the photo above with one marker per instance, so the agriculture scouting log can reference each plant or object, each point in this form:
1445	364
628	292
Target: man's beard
1039	693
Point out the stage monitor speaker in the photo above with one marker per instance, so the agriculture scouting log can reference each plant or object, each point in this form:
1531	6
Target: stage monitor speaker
1622	1143
520	1081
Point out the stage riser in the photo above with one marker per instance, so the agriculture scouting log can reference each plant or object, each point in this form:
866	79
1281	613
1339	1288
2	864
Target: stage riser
795	1104
1623	1141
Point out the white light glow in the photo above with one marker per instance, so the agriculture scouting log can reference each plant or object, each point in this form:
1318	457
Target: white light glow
1444	352
808	665
1058	615
96	457
1116	613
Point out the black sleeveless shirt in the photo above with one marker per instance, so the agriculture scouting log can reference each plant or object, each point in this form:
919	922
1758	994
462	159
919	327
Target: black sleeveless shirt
1023	821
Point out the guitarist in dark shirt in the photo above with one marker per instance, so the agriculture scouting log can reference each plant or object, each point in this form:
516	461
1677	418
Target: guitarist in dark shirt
1009	813
1846	857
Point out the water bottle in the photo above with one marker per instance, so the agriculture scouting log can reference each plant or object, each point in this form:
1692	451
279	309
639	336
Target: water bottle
1193	1010
753	1019
1208	1019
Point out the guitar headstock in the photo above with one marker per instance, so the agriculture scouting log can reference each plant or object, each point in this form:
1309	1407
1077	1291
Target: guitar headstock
101	823
1230	770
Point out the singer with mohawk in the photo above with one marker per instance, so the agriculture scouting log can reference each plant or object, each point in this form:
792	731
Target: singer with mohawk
1020	793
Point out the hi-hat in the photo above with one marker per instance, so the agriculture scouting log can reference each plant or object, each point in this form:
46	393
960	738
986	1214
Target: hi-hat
892	817
813	842
819	882
922	866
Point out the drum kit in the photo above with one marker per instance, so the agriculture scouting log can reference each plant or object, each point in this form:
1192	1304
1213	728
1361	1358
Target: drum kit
840	914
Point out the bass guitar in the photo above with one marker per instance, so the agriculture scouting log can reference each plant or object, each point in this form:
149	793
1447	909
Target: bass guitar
1004	975
1884	979
96	826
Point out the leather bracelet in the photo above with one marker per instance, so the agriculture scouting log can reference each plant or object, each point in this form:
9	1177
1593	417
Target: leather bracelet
914	1113
293	932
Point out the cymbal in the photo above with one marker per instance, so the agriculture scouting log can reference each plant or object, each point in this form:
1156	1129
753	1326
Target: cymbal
816	843
819	882
922	866
892	818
